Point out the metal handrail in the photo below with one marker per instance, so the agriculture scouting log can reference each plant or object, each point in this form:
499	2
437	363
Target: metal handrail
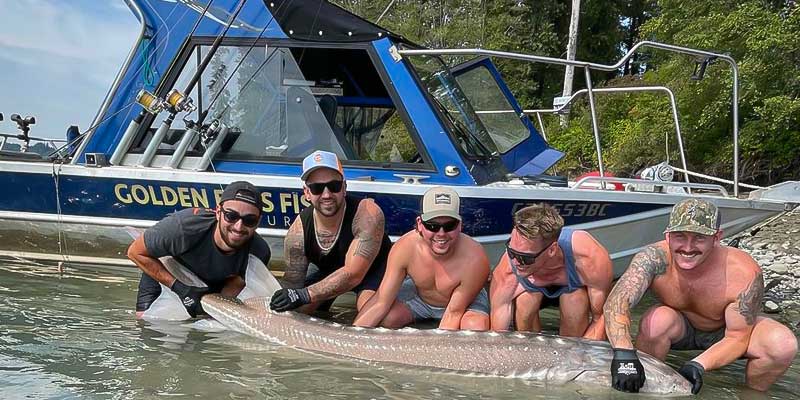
587	66
714	178
5	136
689	185
672	101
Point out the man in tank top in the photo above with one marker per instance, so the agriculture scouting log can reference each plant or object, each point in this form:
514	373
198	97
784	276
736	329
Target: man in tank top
546	262
213	244
434	272
335	246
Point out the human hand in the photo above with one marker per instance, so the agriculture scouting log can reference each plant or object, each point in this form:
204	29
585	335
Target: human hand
627	372
190	296
693	372
289	299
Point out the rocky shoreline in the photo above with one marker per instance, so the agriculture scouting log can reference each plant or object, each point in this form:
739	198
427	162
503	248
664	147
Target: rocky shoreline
776	248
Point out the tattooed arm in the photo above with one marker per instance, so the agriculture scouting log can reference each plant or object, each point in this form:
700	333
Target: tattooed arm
646	265
740	318
295	256
368	236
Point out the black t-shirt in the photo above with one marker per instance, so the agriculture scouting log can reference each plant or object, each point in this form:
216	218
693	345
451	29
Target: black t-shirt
188	236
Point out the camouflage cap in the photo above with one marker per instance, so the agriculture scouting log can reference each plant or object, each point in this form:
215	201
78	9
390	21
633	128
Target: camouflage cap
694	215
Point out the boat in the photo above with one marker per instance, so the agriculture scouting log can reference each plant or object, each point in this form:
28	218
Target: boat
218	91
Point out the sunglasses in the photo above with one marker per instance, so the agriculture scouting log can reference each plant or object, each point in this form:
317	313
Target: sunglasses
249	220
435	226
524	258
317	188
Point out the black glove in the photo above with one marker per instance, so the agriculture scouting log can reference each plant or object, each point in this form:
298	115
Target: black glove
627	372
190	296
693	372
289	299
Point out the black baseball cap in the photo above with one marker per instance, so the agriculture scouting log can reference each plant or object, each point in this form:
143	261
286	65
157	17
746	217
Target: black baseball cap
242	191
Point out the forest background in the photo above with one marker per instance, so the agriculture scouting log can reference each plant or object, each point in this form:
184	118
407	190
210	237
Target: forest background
762	36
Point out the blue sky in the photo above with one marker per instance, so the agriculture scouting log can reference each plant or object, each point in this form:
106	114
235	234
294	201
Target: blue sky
58	59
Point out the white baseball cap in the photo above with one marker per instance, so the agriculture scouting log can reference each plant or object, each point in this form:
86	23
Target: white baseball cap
321	159
440	201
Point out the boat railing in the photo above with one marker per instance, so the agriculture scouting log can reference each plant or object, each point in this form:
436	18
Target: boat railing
588	67
633	182
54	143
580	93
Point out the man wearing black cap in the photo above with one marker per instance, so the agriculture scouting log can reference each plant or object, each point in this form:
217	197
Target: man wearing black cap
213	244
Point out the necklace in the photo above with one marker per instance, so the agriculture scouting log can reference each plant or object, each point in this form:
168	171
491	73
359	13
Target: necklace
326	249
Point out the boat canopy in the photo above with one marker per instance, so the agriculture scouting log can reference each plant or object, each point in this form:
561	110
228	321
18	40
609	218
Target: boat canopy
322	21
291	76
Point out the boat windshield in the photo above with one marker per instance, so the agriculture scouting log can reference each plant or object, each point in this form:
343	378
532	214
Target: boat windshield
467	128
476	102
505	127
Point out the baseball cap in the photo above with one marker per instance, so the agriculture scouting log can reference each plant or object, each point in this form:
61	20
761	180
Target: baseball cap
242	191
694	215
440	201
321	159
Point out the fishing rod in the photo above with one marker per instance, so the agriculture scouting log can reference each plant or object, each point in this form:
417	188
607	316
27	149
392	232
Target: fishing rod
149	102
180	102
175	102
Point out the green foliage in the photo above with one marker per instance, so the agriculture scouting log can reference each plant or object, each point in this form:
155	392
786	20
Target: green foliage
763	36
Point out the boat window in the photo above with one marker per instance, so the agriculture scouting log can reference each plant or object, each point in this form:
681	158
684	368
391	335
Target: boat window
288	101
498	116
469	131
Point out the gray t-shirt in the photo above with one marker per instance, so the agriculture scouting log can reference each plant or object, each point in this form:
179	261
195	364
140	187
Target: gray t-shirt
188	235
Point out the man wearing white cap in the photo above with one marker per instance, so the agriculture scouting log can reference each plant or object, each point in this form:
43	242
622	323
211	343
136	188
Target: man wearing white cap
434	272
335	246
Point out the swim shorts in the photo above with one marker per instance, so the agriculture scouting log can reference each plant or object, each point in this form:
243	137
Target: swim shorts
420	310
694	339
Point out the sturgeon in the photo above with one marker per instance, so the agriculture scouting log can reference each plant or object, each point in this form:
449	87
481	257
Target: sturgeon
546	358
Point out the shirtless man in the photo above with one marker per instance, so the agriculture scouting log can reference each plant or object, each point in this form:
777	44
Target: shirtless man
433	272
710	298
544	259
335	246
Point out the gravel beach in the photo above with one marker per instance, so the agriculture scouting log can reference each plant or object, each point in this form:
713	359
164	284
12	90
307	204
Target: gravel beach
776	248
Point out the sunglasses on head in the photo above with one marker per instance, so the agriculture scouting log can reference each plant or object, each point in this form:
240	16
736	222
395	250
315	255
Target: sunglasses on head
317	188
435	226
521	257
249	220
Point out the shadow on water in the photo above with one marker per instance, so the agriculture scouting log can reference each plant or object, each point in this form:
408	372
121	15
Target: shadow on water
73	334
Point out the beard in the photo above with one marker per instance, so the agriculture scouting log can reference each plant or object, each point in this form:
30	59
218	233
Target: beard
328	208
232	239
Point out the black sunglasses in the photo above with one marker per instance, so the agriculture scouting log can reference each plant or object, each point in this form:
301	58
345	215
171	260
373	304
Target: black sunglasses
249	220
317	188
435	226
524	258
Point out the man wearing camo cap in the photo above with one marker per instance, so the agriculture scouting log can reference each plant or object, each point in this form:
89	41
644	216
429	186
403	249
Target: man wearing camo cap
711	297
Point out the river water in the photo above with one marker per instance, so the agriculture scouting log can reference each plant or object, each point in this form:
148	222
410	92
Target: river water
73	335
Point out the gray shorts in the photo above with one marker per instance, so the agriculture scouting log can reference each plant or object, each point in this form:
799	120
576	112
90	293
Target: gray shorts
420	310
694	339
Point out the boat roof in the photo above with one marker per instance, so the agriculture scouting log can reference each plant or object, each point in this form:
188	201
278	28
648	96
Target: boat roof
323	21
